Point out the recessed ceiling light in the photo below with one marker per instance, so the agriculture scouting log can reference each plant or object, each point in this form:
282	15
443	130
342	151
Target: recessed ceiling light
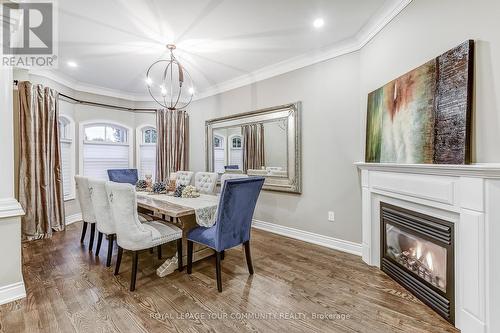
72	64
318	23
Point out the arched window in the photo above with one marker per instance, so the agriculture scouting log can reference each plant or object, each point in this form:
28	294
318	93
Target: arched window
236	151
219	154
66	138
105	146
146	151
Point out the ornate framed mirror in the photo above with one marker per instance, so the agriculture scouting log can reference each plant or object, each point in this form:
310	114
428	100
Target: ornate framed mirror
263	143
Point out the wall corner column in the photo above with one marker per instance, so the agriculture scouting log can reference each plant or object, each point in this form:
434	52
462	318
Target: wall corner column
11	277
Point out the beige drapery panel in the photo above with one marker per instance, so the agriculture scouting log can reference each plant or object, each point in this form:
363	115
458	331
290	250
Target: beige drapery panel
40	177
253	146
172	143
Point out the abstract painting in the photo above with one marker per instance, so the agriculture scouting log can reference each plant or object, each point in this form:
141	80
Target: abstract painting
424	116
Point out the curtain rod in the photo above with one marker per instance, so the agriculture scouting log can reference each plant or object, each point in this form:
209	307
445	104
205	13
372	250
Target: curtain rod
79	101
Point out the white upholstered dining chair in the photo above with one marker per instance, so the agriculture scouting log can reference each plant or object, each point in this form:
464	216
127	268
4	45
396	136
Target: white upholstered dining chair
227	176
133	235
104	219
88	215
183	178
205	182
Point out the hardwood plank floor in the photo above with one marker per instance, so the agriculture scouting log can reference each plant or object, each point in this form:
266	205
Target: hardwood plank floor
297	287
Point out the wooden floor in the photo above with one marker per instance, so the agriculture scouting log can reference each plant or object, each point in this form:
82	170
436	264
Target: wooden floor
297	287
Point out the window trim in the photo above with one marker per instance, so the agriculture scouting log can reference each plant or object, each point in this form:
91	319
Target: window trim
72	135
82	141
138	143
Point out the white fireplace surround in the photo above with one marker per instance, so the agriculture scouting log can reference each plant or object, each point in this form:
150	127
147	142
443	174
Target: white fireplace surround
468	196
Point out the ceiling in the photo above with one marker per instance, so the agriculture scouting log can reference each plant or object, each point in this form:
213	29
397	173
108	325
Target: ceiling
220	42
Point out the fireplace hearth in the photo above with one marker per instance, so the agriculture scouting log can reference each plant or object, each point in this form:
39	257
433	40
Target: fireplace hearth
417	251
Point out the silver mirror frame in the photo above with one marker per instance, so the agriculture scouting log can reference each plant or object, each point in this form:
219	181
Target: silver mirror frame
292	112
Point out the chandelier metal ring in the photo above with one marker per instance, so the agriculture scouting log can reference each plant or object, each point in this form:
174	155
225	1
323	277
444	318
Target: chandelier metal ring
172	83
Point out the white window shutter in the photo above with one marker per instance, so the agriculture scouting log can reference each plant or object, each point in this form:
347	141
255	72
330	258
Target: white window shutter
98	158
66	167
147	164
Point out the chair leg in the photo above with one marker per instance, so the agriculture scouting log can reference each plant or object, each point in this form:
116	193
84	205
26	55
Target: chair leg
159	251
222	254
190	256
249	257
92	233
179	255
110	250
118	260
135	259
99	242
84	230
218	271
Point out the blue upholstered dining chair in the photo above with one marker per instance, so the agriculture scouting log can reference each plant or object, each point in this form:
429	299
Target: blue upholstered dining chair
128	176
232	227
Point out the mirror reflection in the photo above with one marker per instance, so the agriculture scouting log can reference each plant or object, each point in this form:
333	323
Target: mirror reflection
254	149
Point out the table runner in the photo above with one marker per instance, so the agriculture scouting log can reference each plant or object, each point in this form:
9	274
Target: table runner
205	206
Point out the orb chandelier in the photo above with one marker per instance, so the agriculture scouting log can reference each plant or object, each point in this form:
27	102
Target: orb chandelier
169	84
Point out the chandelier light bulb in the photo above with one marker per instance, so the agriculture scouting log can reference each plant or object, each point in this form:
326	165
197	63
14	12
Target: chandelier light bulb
149	82
191	91
318	23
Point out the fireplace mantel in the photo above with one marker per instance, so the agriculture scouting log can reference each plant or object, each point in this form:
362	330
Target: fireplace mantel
466	195
484	170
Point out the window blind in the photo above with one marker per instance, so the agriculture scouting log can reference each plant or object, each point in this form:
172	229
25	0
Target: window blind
147	162
237	157
66	168
98	158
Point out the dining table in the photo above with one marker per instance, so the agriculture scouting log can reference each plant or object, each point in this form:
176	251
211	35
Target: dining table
185	213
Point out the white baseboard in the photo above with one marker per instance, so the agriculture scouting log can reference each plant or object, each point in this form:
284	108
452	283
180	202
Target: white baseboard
73	218
306	236
12	292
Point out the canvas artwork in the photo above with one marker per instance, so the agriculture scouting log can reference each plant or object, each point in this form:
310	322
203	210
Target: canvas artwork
424	116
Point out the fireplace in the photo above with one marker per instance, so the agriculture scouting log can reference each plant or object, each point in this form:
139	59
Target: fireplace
417	251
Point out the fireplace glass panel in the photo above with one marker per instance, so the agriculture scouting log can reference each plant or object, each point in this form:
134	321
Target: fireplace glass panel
419	256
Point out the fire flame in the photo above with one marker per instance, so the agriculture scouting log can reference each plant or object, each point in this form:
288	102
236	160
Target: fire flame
419	251
428	258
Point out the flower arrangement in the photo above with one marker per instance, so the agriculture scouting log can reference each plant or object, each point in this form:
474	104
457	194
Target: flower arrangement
178	191
190	192
159	188
141	185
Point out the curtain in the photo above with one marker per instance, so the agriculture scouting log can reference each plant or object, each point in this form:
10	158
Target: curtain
172	143
253	146
40	173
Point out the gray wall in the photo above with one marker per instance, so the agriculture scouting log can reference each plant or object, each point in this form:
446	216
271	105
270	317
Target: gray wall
427	28
80	113
334	95
331	138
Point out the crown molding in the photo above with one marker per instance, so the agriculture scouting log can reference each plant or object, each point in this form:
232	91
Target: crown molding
88	88
383	17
